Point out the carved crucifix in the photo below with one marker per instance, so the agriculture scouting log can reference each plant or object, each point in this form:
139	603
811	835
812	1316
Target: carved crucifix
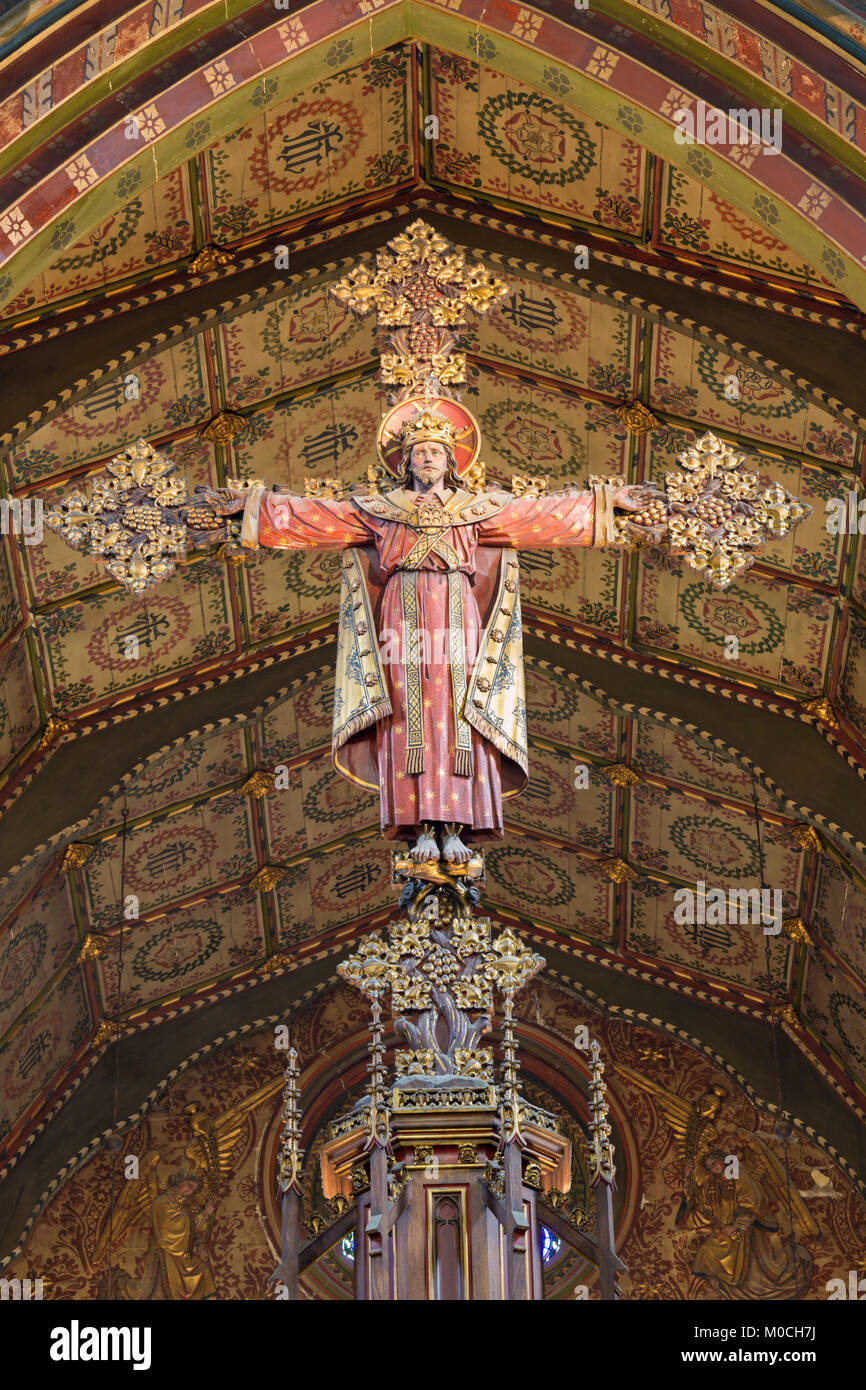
429	700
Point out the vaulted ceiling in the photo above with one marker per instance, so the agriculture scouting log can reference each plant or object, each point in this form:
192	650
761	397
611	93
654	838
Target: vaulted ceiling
702	270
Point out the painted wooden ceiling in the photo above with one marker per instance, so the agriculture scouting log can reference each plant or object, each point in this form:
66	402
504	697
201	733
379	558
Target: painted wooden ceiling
345	152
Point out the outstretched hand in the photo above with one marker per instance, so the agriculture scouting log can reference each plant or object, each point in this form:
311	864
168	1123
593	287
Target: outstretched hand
635	497
223	500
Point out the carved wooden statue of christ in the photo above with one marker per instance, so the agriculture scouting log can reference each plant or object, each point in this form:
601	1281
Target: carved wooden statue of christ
429	699
429	705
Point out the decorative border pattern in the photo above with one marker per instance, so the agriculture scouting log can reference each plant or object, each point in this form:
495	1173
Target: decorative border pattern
298	647
639	259
605	959
704	683
702	31
64	837
625	709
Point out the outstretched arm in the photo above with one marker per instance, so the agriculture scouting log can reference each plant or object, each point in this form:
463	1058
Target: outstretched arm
560	519
283	521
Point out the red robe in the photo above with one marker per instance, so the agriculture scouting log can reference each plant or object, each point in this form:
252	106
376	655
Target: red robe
439	792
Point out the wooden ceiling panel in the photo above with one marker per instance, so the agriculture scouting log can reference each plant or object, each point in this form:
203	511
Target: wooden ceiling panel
696	381
297	725
557	709
693	838
181	950
839	913
529	429
784	633
299	587
552	804
329	434
340	139
315	809
40	1051
833	1007
550	330
183	771
42	938
552	886
303	337
501	138
110	643
695	224
345	887
146	235
188	852
163	394
734	954
661	752
852	679
20	715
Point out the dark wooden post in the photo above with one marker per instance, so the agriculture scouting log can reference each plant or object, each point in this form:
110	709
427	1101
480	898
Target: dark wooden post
288	1270
603	1174
516	1224
378	1240
289	1179
607	1261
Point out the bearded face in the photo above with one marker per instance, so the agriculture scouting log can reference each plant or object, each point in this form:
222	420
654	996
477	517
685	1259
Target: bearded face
429	464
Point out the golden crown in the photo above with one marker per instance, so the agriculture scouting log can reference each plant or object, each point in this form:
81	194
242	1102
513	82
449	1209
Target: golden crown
427	425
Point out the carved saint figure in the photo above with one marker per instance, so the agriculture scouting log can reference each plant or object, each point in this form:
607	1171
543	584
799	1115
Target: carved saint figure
179	1219
429	703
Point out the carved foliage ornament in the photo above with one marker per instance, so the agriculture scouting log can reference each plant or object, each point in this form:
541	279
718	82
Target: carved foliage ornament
602	1166
137	520
290	1153
422	291
443	973
712	511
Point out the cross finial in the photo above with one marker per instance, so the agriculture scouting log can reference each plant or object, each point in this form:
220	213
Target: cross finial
423	292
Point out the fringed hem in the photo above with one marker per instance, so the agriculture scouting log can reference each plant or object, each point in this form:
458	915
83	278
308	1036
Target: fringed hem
603	514
463	763
414	761
359	722
489	731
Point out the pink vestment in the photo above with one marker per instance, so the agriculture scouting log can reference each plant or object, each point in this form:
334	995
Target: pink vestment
439	792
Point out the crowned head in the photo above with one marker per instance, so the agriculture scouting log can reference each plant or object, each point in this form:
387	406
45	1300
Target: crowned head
710	1103
437	425
426	427
427	450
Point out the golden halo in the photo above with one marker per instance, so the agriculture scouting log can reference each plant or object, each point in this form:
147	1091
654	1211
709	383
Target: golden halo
464	429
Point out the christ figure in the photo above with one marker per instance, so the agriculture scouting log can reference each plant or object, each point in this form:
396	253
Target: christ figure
429	700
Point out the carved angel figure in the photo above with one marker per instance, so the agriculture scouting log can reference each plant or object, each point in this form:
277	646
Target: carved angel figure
180	1218
749	1248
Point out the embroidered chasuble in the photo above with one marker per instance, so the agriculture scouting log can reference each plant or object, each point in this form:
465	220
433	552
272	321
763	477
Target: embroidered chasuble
429	701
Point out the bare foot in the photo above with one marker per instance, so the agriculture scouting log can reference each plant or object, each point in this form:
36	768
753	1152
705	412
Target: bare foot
453	848
426	849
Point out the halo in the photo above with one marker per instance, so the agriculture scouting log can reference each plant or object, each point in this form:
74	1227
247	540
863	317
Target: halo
467	433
